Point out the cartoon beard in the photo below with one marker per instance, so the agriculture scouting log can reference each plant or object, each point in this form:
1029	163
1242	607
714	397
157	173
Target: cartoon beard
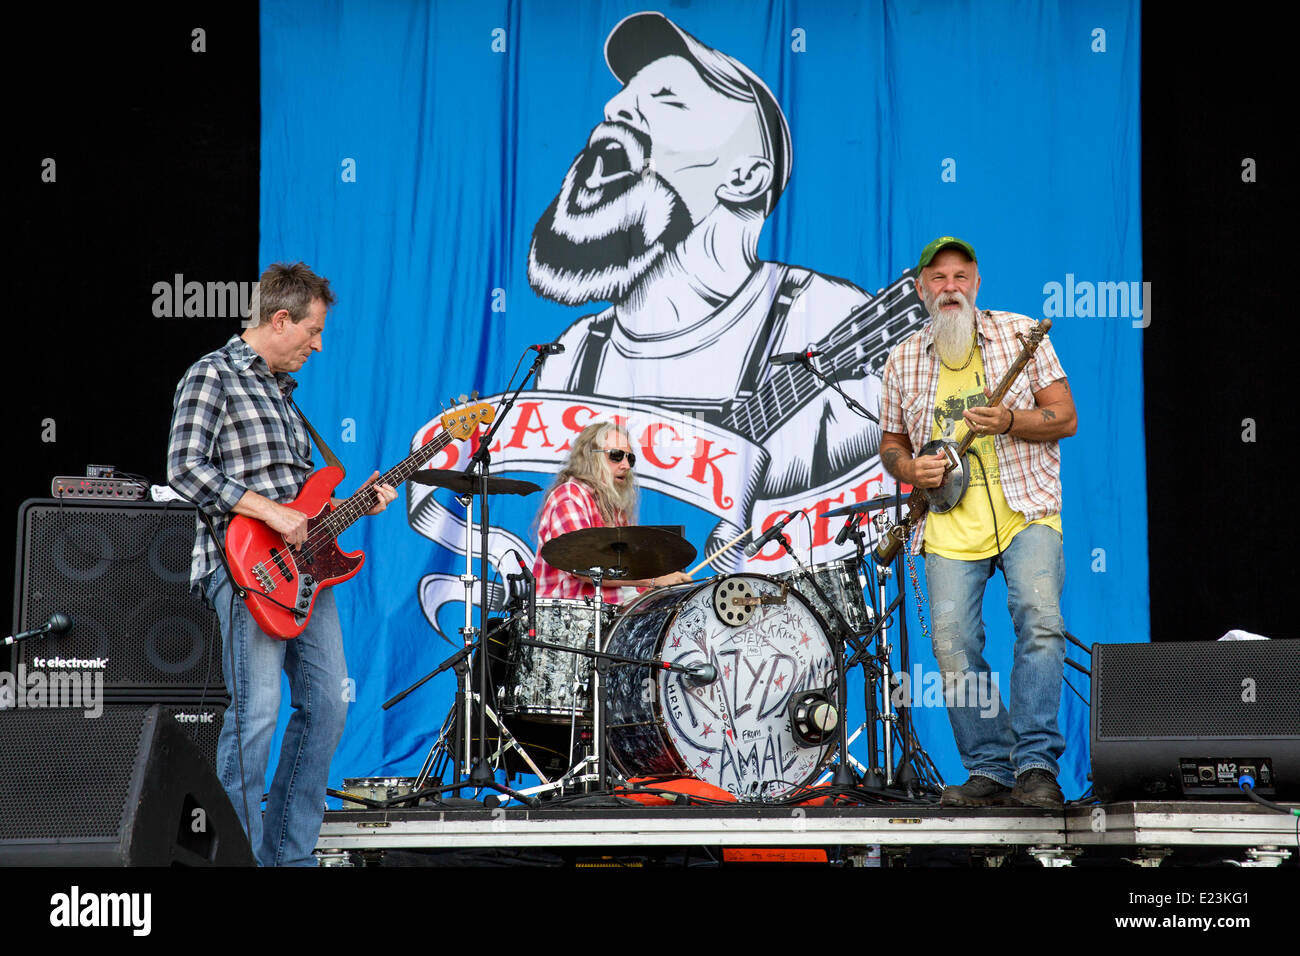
613	220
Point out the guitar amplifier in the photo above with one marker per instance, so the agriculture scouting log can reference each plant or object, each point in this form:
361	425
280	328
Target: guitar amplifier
120	570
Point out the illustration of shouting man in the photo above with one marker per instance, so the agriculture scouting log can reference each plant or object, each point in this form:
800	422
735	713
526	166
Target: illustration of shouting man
660	215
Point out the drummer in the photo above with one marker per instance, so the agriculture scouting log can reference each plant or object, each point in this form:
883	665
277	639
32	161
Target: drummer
596	488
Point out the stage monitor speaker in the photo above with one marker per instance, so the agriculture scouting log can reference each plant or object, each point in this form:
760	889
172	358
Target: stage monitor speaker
121	571
1188	719
127	788
199	719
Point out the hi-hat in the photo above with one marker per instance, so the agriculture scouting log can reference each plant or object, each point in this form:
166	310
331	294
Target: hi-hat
639	552
875	504
464	484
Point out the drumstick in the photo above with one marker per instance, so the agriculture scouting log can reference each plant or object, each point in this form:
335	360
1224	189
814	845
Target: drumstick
725	547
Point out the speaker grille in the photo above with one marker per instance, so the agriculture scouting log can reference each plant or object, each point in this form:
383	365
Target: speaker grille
64	775
122	573
1198	689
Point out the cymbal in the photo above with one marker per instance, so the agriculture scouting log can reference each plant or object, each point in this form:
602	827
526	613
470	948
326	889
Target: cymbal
874	504
642	552
464	484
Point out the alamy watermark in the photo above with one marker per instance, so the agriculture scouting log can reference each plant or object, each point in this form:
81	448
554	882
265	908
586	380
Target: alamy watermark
1086	299
935	689
31	689
205	300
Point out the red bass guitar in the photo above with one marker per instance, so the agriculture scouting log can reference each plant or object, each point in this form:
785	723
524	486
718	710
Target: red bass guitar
282	583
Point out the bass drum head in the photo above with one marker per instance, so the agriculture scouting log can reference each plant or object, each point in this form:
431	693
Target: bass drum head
733	732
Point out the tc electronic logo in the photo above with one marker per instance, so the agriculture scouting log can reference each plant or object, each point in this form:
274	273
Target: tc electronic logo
77	909
76	663
205	718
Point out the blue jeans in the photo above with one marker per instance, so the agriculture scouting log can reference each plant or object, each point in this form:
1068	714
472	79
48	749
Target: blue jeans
995	741
317	673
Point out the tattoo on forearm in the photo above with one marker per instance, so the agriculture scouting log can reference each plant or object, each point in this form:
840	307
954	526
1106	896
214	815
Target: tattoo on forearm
889	458
1048	415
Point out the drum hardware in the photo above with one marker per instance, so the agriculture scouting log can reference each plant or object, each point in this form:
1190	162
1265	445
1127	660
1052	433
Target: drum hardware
733	602
758	600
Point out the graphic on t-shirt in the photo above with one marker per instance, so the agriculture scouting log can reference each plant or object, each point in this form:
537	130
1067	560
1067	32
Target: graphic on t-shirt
951	426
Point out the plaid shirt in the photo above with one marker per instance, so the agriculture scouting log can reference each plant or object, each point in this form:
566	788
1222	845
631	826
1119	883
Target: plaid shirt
1030	470
570	507
232	431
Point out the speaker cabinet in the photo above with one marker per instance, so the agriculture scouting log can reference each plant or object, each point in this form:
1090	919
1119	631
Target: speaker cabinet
121	571
126	788
1187	719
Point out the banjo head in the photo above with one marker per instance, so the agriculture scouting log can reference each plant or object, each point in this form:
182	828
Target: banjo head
946	497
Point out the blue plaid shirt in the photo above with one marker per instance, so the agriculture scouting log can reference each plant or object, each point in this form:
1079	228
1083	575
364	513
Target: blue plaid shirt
233	430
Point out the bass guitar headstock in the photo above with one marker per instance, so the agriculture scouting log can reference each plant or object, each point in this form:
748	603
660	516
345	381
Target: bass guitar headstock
461	422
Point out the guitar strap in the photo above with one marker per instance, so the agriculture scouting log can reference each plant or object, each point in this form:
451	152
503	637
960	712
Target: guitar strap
329	456
793	283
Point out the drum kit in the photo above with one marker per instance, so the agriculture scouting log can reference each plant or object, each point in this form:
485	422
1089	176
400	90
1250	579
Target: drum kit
736	681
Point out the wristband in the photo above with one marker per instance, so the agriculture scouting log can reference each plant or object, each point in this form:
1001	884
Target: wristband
1013	422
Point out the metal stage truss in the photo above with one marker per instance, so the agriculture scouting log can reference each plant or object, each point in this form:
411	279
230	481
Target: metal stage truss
1138	832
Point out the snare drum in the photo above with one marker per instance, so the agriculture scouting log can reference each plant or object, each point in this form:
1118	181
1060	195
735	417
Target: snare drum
839	581
551	685
732	732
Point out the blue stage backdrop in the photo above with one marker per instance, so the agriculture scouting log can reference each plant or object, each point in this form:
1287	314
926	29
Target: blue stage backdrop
474	177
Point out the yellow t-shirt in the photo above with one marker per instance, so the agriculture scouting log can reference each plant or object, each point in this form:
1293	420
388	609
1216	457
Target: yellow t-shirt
966	533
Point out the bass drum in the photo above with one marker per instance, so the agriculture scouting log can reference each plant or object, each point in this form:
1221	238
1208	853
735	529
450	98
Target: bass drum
766	644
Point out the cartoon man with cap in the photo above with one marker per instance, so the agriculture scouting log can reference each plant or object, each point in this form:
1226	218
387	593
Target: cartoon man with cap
660	216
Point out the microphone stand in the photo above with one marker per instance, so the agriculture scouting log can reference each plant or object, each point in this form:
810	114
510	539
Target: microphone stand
480	775
853	404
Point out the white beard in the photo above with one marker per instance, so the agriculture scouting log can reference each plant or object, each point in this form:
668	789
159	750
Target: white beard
954	332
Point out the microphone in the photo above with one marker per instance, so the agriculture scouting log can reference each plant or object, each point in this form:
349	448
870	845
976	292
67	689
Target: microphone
849	527
549	348
770	534
790	358
701	673
59	623
532	592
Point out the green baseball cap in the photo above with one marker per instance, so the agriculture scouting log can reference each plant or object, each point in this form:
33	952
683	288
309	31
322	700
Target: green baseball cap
943	242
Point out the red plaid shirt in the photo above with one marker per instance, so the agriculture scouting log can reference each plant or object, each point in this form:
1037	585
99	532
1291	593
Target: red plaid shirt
1030	470
570	507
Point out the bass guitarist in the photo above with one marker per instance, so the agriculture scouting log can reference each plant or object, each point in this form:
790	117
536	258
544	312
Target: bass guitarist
238	445
935	385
